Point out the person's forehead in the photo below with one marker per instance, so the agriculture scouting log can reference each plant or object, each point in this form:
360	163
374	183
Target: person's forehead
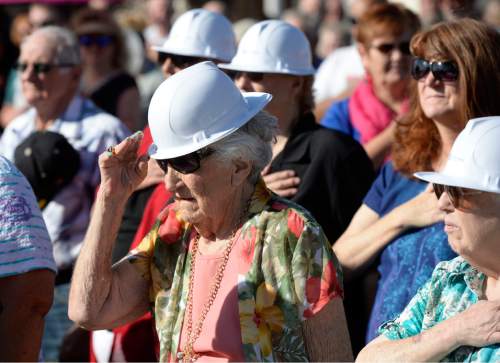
38	48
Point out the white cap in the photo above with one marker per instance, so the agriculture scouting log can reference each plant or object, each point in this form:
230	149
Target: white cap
197	107
474	160
273	46
201	33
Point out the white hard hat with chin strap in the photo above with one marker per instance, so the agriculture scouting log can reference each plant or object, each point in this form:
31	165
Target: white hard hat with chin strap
201	33
273	46
197	107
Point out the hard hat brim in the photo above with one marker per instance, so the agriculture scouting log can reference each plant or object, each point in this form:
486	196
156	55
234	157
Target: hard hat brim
264	69
453	181
256	101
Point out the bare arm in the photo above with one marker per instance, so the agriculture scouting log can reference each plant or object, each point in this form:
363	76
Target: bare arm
477	326
368	234
326	335
25	299
102	296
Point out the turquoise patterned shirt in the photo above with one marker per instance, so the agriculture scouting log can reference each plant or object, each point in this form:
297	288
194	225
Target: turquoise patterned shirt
454	286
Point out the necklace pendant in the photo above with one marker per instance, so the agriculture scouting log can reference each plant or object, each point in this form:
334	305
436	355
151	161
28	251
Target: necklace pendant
180	356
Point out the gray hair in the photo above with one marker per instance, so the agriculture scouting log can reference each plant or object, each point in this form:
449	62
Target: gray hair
251	142
67	50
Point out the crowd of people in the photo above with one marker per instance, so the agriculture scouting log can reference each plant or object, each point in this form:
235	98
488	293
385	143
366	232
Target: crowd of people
322	185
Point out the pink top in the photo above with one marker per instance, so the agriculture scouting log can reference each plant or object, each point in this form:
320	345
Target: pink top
220	338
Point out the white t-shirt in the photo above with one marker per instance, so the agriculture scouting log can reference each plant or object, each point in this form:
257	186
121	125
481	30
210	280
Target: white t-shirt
24	241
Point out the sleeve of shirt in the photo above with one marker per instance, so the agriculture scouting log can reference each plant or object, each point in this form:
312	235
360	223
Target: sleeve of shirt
373	198
24	241
337	118
315	271
409	322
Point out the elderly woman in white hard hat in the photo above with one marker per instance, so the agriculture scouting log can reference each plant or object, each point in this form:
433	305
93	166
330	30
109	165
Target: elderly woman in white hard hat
325	171
455	316
231	271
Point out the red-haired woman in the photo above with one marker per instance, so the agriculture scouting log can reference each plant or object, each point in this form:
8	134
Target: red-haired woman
457	78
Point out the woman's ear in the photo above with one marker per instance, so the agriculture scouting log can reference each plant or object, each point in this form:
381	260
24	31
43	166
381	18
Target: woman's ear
240	172
363	52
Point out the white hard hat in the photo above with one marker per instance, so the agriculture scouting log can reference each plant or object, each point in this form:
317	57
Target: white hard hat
273	46
196	107
201	33
474	160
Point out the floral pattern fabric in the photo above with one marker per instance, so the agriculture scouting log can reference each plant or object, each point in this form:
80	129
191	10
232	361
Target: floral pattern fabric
454	286
287	274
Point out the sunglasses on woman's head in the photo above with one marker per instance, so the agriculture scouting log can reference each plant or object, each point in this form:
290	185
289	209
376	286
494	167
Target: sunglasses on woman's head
442	71
185	164
100	40
458	196
252	76
179	61
386	48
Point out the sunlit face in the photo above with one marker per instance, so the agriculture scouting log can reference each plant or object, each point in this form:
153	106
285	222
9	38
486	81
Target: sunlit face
387	59
474	233
42	88
203	195
440	100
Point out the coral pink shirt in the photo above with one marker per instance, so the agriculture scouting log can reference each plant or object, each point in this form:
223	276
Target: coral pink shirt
220	338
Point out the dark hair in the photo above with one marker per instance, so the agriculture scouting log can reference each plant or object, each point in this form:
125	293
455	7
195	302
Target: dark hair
475	47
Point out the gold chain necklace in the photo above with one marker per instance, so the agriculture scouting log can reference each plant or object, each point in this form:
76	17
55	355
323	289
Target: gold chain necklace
188	354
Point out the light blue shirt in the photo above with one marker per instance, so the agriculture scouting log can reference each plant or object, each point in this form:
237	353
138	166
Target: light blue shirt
90	131
24	241
454	286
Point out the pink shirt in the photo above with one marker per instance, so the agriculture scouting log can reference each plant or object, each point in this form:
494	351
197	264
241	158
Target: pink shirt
220	338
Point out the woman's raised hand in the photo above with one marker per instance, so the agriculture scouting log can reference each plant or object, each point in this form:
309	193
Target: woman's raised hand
422	210
121	169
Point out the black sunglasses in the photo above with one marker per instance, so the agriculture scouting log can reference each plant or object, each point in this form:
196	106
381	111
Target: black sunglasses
252	76
180	61
185	164
458	196
442	71
41	67
386	48
100	40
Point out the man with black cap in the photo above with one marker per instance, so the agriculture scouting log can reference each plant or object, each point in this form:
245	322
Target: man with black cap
49	64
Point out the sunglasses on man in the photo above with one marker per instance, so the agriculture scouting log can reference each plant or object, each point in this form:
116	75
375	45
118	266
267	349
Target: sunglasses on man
252	76
386	48
40	68
442	71
185	164
100	40
179	61
458	196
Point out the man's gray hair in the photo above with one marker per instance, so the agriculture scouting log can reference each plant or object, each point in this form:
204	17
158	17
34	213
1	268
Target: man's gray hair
251	142
64	41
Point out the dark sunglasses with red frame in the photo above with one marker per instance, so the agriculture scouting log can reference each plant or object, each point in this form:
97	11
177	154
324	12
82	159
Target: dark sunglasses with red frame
458	196
185	164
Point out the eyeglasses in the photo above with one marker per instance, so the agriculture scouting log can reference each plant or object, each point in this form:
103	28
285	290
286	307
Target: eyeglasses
185	164
39	68
386	48
252	76
100	40
458	196
179	61
442	71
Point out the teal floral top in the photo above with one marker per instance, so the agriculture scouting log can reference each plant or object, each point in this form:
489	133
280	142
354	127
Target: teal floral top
453	287
287	274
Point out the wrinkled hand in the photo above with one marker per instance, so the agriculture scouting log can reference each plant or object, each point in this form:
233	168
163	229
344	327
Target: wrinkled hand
479	325
422	210
123	171
284	183
155	175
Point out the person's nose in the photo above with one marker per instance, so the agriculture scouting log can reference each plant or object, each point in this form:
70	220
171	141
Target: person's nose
445	204
168	68
243	82
430	80
29	73
172	180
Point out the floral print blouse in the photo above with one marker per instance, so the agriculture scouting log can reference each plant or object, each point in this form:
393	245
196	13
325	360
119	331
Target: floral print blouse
287	274
454	286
